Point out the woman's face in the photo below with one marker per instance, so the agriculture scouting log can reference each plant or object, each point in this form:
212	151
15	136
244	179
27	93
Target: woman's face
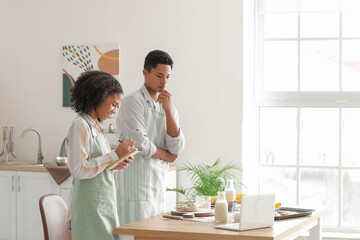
108	107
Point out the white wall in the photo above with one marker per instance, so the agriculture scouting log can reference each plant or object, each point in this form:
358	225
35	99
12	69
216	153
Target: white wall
204	38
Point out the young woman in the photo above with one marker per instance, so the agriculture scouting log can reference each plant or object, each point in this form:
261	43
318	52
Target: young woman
93	213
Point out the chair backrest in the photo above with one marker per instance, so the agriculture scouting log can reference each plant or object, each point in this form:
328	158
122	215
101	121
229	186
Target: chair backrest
53	214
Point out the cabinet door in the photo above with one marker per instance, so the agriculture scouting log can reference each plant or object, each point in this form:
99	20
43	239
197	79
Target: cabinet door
7	205
65	194
65	190
31	186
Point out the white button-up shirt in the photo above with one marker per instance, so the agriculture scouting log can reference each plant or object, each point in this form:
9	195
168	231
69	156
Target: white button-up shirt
131	123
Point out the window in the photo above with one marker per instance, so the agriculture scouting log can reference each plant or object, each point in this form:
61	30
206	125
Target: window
307	102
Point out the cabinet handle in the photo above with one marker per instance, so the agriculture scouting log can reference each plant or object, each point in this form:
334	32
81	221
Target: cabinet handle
18	183
12	183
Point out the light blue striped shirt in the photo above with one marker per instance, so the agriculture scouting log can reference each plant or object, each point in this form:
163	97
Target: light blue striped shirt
79	145
131	123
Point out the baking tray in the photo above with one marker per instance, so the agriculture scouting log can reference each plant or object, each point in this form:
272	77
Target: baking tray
298	212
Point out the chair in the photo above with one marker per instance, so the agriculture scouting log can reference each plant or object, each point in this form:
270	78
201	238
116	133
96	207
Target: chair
53	214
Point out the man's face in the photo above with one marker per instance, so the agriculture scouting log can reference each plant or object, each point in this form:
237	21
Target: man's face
157	79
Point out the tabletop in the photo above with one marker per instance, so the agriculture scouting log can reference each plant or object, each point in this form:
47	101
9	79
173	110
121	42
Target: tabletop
159	228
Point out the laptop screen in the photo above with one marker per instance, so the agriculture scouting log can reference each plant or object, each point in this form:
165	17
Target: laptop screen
257	211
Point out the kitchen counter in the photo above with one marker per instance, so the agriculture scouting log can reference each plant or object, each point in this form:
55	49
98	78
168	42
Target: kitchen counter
24	168
41	168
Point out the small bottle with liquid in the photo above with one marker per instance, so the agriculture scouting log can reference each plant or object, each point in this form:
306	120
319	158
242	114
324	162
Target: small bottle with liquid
221	208
230	193
230	190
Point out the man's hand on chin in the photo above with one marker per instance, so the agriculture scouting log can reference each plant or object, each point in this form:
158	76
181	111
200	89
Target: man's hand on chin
165	100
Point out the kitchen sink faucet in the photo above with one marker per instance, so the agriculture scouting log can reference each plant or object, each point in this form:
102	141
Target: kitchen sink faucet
40	157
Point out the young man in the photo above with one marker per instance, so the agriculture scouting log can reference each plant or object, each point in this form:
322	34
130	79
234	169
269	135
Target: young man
152	121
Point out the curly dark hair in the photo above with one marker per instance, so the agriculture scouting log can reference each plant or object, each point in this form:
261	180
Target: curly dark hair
156	57
91	89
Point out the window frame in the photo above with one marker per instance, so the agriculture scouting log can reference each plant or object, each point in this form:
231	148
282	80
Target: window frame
297	99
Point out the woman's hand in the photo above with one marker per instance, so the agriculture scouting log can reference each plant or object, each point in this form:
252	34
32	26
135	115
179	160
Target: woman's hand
124	147
124	163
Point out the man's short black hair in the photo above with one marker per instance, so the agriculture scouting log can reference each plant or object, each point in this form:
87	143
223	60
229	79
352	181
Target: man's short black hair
91	89
156	57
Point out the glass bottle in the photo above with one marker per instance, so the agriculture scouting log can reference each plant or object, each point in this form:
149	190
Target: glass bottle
237	209
230	190
221	208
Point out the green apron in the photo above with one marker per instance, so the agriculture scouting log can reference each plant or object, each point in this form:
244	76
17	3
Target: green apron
93	206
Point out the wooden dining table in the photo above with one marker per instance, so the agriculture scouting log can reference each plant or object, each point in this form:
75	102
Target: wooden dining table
161	228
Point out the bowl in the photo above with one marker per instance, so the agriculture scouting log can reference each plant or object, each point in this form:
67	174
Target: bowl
61	161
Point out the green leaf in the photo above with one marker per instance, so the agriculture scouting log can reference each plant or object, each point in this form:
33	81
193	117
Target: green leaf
209	179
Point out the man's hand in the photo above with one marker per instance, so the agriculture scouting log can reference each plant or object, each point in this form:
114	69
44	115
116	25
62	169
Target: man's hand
165	100
172	129
164	155
170	157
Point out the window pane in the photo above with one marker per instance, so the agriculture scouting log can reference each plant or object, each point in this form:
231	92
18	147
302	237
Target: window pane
351	65
314	25
319	65
319	187
350	24
281	181
350	137
278	129
280	66
281	25
319	5
351	196
319	136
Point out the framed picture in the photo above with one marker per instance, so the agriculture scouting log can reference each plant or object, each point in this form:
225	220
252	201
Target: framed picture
81	58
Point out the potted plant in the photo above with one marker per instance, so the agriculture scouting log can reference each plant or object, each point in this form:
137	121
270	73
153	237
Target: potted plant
208	179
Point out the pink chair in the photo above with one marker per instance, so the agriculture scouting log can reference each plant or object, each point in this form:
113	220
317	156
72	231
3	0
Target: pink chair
53	214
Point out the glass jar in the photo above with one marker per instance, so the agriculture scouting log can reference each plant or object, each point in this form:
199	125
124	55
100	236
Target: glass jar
203	202
237	212
221	208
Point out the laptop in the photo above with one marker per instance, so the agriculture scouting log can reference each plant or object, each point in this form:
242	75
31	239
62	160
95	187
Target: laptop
257	211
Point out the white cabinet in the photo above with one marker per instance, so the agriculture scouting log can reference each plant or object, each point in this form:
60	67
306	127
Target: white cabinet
19	203
7	205
65	189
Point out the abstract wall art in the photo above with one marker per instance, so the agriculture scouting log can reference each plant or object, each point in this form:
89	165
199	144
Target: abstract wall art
81	58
